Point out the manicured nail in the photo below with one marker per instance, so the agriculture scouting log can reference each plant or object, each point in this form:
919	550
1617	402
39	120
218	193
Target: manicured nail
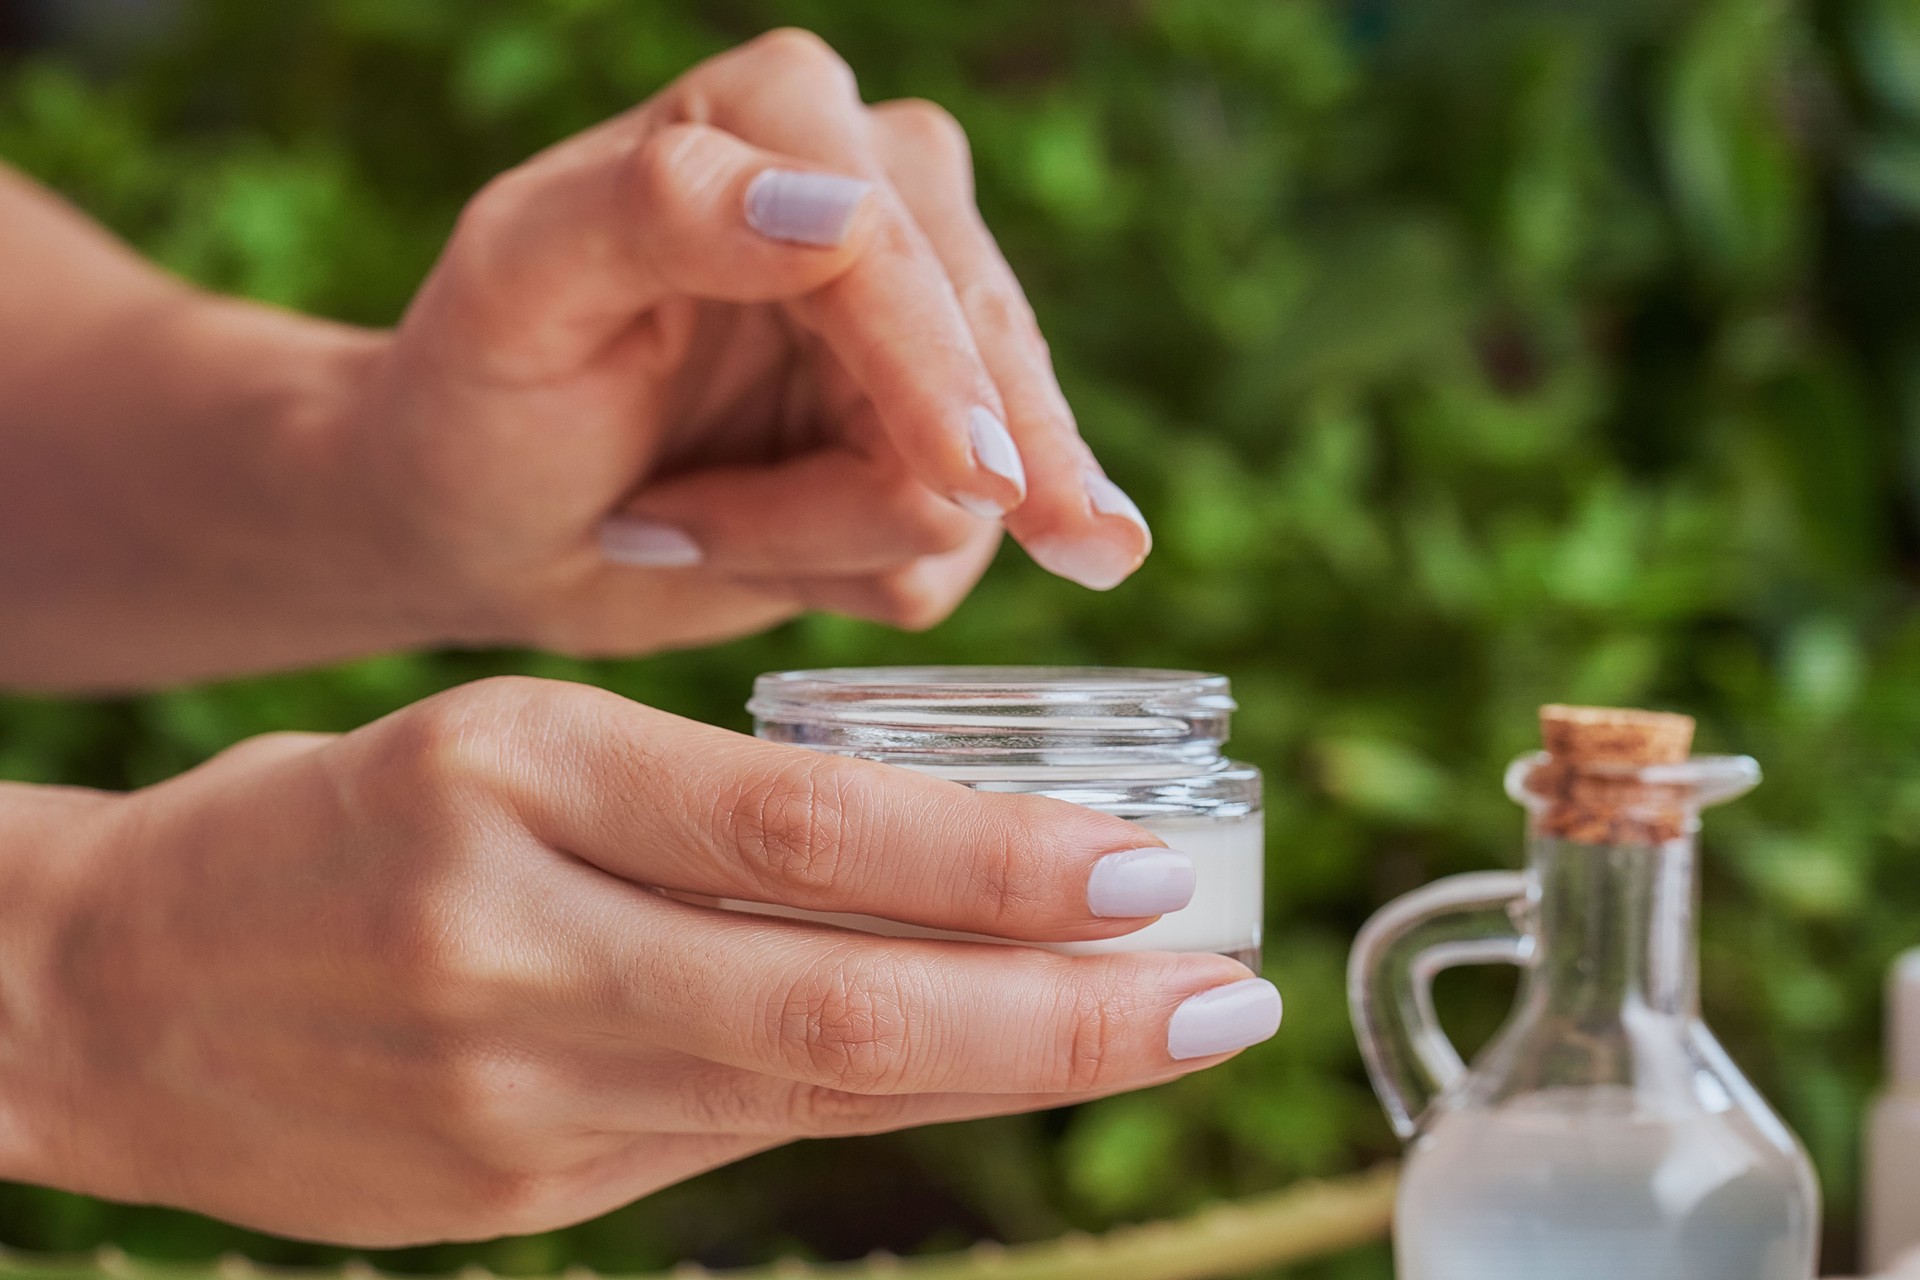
805	208
1109	499
978	506
995	452
1224	1019
1096	563
647	544
1140	882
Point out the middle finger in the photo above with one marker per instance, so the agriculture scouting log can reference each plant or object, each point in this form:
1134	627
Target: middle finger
1075	522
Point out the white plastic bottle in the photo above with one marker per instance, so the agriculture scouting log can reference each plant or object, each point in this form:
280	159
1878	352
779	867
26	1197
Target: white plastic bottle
1893	1131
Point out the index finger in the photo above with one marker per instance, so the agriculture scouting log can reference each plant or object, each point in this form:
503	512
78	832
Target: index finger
892	317
673	804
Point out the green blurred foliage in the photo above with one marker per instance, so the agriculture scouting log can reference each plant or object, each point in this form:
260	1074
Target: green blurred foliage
1466	354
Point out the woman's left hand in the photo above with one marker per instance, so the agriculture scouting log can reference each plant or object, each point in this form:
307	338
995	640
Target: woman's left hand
745	351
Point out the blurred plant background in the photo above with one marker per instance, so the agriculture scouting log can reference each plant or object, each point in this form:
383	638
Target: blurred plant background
1465	354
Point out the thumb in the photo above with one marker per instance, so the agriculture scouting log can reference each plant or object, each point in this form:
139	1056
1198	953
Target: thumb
719	218
555	258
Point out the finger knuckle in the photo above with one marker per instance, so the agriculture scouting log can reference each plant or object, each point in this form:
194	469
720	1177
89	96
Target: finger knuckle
479	256
925	525
1010	878
825	1110
1097	1017
727	1101
493	207
795	50
997	309
792	823
845	1025
671	180
905	600
930	127
458	741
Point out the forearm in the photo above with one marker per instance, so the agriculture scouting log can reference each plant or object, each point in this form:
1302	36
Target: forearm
173	502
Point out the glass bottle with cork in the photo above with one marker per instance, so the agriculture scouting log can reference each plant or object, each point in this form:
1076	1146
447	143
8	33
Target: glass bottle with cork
1603	1132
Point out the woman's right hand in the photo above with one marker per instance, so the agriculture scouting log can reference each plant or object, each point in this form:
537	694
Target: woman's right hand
416	982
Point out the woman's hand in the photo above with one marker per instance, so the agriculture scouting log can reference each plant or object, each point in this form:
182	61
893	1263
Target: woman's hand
745	351
426	981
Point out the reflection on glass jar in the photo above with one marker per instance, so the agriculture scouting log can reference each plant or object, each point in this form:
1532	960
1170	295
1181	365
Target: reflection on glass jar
1139	744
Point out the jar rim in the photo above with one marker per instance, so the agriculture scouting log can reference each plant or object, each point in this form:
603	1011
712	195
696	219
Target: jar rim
998	684
978	710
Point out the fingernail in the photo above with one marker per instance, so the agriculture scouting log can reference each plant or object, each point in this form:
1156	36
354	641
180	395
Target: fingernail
647	544
994	451
805	208
1109	499
1224	1019
978	507
1092	562
1140	882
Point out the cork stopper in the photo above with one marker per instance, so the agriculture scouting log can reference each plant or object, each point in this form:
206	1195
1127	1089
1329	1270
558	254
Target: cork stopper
1614	735
1588	782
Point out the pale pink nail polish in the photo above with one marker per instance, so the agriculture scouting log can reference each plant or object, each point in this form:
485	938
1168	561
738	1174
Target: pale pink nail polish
994	452
1224	1019
1109	499
804	208
647	544
1141	882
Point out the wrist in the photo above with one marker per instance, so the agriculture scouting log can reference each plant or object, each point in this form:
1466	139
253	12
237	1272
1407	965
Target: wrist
52	843
322	547
354	422
200	451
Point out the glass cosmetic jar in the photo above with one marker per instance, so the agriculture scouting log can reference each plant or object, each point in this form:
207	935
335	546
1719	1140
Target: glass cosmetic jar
1139	744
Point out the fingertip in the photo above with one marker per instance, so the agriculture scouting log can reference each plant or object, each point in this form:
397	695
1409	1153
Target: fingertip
1098	541
1093	561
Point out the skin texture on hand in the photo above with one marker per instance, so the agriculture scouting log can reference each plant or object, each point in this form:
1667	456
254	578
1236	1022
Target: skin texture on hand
745	351
448	975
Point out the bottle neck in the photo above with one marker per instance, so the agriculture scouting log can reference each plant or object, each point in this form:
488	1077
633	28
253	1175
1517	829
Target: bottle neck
1615	929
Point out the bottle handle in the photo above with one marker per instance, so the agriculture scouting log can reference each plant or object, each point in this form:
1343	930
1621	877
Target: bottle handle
1478	918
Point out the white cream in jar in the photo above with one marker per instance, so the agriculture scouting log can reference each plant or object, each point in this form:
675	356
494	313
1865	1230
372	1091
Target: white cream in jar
1139	744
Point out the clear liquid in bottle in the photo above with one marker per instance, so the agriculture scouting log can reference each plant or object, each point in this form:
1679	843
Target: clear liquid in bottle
1582	1184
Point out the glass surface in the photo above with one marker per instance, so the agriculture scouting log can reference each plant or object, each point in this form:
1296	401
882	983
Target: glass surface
1603	1132
1140	744
994	719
